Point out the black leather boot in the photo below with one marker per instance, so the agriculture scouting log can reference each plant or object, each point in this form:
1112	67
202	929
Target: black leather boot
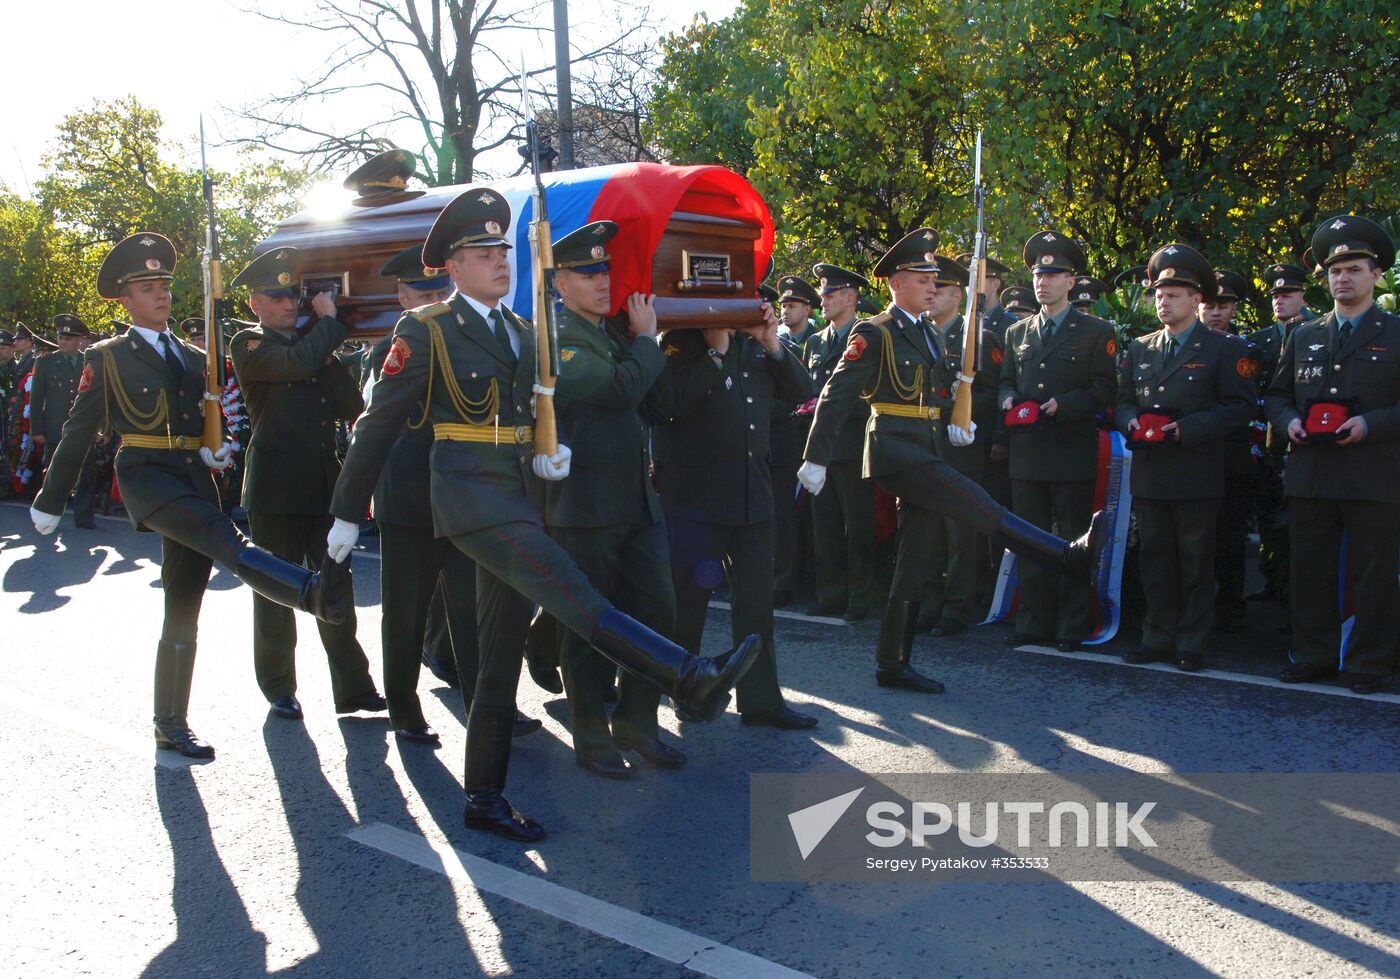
892	667
489	731
697	684
174	674
1074	559
327	594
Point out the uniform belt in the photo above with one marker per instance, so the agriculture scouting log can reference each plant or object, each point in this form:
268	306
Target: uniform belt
905	411
488	434
171	442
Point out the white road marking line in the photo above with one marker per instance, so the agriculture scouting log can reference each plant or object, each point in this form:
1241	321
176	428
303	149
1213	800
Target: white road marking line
783	614
1212	674
129	742
695	952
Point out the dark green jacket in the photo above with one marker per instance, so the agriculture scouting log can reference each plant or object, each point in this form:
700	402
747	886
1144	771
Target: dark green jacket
606	393
474	485
403	495
1208	387
887	360
821	354
1078	367
1315	366
295	390
51	394
125	373
970	460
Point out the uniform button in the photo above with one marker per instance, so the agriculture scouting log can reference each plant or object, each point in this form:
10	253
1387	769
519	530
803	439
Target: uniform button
1162	387
473	373
1042	367
186	416
1040	385
1337	367
749	400
1332	391
751	427
189	459
746	373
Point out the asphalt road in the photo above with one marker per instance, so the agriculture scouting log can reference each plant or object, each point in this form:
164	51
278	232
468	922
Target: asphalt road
325	849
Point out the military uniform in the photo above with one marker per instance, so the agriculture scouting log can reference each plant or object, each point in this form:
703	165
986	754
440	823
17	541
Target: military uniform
843	517
295	391
788	433
51	396
1343	491
152	395
716	490
1206	386
1053	467
895	362
470	377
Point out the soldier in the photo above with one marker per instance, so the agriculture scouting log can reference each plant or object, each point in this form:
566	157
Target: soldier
149	387
796	299
607	515
1286	283
295	390
1058	376
28	346
896	362
1337	396
1241	476
1180	391
843	519
1086	292
992	313
955	557
465	367
51	395
1019	302
717	494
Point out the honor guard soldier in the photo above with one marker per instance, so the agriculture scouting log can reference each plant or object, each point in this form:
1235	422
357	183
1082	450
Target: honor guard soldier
1058	376
843	518
1181	390
465	367
296	391
51	395
607	515
382	176
1086	292
796	301
1241	472
896	362
1337	397
716	489
1285	283
149	388
427	586
955	557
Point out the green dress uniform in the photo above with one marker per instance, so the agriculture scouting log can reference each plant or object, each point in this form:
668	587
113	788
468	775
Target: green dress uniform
52	392
1071	358
895	362
716	490
296	391
470	377
956	553
792	543
1343	493
607	516
1204	381
152	395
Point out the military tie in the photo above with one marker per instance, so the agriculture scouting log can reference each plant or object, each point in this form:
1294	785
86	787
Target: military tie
1049	330
498	327
172	356
1173	344
1344	332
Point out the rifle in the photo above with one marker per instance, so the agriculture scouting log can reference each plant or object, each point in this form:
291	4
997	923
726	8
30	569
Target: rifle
542	264
976	281
216	376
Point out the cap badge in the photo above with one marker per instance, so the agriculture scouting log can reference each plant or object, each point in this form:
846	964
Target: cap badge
1279	282
1167	274
1336	249
1169	250
599	231
928	236
152	264
1046	259
597	253
147	241
487	198
930	257
1049	236
492	228
283	278
282	255
1337	225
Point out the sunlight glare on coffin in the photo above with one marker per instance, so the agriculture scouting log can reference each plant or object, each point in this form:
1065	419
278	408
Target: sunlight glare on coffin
325	199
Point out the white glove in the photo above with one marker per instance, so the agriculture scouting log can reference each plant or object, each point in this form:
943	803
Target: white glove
44	523
962	436
555	467
217	461
340	539
812	477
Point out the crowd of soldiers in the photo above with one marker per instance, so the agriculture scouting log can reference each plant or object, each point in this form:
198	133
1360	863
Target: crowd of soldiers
678	469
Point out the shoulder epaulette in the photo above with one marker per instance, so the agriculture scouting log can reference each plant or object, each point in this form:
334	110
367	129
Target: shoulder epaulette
880	318
120	338
424	313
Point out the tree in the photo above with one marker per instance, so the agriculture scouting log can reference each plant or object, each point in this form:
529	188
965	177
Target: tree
435	65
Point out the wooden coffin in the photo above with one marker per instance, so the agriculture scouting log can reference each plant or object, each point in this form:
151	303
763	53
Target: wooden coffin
697	237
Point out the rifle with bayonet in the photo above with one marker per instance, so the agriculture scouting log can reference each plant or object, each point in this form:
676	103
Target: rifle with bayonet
976	282
216	376
542	265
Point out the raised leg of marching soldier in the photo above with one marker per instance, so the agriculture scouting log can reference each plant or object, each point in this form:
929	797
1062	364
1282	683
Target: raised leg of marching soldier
302	539
630	566
1051	607
184	573
843	534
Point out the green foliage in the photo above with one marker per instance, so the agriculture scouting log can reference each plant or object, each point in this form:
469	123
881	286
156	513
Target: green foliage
108	176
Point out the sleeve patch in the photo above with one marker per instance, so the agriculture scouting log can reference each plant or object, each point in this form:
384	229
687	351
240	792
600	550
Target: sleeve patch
998	356
855	348
85	381
567	354
397	357
1111	347
1246	367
